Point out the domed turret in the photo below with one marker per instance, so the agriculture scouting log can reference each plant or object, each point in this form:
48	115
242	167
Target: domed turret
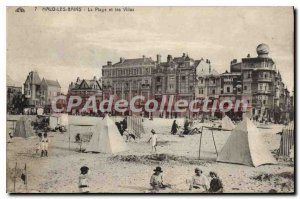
262	50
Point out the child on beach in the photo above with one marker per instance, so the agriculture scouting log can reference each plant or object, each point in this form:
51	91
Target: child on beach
45	143
154	140
83	180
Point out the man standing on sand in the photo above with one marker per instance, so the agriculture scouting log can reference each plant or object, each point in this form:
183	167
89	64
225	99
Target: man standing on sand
154	140
174	128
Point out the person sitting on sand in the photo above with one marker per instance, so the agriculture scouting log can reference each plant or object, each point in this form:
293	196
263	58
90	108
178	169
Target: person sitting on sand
154	140
216	185
156	180
10	137
174	128
199	181
83	184
128	136
45	143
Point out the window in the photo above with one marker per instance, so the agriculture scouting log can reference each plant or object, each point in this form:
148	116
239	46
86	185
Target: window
213	91
146	81
201	91
158	79
245	88
264	102
201	81
183	78
249	75
228	89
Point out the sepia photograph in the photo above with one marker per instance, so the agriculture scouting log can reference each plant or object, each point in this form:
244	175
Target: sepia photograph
150	100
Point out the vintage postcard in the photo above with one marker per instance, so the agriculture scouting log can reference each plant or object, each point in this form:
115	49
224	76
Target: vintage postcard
150	100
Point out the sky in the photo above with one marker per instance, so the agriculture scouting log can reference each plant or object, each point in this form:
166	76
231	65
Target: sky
65	45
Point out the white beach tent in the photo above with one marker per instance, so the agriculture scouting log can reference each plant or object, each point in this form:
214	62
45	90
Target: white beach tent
227	123
40	111
246	146
64	119
23	128
54	121
106	138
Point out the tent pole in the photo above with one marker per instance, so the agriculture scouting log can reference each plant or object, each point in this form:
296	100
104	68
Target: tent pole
212	133
69	137
200	143
26	178
15	177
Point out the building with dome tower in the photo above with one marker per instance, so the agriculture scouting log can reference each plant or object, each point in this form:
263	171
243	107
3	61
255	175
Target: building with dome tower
262	85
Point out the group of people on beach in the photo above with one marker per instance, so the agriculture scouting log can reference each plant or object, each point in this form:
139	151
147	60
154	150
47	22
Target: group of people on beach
198	183
188	124
42	145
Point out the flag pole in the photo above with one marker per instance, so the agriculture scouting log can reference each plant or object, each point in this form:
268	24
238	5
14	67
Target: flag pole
26	178
200	143
15	177
69	137
212	133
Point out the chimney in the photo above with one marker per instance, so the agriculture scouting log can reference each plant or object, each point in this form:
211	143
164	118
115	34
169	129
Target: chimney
109	63
169	58
209	68
78	79
206	60
158	58
144	57
122	59
95	78
183	54
248	56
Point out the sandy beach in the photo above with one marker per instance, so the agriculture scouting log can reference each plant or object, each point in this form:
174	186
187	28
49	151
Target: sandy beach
130	171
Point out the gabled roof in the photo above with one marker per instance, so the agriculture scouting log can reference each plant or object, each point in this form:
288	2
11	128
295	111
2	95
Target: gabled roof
136	61
182	59
87	84
52	83
34	78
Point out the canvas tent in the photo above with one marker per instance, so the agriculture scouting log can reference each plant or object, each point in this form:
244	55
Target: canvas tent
23	128
245	146
227	123
64	119
40	111
53	121
106	138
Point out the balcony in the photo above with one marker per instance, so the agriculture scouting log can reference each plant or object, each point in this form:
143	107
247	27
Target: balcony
228	80
264	92
145	86
262	79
